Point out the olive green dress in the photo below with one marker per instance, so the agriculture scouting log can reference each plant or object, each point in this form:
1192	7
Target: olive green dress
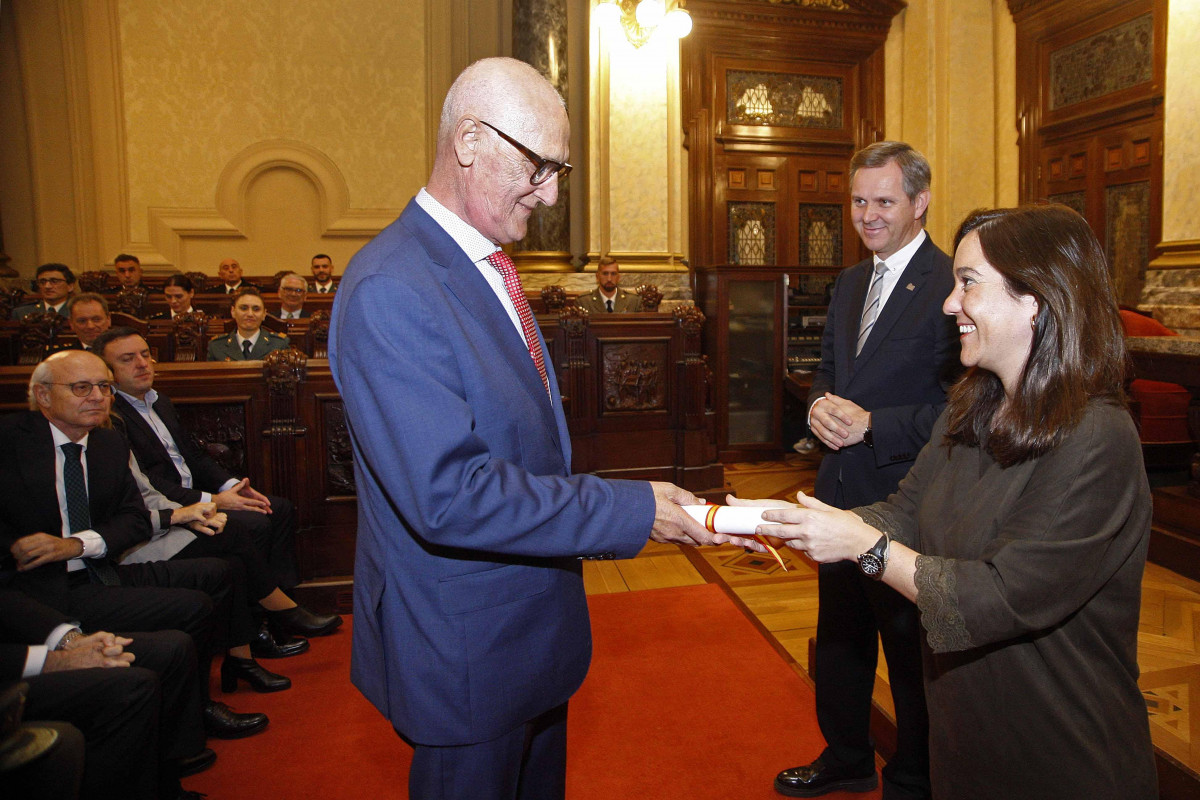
1029	588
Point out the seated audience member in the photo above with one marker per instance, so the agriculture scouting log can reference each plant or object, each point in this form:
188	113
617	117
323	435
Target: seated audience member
129	271
1021	530
68	505
175	536
88	317
292	291
83	683
55	283
251	341
179	290
322	270
186	474
230	273
608	296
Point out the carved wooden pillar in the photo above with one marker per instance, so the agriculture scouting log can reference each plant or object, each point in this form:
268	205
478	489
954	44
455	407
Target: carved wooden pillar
574	323
283	370
697	465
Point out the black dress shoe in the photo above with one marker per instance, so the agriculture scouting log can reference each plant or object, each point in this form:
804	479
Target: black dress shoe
222	722
265	645
299	621
197	763
250	671
815	779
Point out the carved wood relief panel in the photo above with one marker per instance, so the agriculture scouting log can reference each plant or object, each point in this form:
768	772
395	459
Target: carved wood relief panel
339	453
220	431
635	376
787	100
1106	62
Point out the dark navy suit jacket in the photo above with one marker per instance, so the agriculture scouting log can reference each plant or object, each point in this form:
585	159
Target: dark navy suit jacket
901	375
469	611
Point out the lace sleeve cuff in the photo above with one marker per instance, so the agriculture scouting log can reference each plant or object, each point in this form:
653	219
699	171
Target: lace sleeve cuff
880	522
937	599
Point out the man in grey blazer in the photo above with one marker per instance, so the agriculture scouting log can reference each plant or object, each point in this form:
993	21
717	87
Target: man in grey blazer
608	297
887	356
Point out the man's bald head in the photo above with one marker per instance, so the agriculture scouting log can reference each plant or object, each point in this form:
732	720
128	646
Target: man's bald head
480	175
53	386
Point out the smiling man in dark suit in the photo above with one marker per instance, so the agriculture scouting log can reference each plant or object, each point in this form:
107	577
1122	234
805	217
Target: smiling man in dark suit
887	356
471	626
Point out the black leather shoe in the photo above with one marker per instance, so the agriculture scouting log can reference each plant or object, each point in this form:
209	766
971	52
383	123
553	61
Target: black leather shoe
299	621
222	722
815	779
250	671
197	763
265	645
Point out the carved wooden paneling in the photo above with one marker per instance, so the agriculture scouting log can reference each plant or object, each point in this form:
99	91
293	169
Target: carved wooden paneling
1090	86
219	429
339	452
635	376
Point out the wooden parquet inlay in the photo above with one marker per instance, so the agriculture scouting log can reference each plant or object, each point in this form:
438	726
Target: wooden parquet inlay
784	605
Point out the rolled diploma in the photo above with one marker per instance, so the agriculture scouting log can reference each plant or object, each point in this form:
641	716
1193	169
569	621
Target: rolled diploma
735	520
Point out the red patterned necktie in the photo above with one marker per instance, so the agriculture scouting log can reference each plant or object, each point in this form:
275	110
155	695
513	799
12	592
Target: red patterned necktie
512	285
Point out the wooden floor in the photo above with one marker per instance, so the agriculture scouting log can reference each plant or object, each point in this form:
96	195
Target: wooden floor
784	604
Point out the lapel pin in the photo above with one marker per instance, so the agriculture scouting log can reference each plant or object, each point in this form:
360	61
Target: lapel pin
910	287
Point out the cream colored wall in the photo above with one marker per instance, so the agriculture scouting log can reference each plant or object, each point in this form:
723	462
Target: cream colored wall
1181	152
635	163
950	92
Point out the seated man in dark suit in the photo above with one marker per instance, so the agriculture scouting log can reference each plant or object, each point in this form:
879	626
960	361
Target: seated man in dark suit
88	317
608	296
129	271
55	283
251	341
292	291
179	290
123	714
68	502
322	270
230	273
185	474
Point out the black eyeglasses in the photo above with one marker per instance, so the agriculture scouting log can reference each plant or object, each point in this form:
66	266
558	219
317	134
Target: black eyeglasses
50	281
84	388
543	167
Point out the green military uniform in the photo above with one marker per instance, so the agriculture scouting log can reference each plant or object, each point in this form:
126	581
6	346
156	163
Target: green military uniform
227	348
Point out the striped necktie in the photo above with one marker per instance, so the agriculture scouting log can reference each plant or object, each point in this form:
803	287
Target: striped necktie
512	285
871	307
79	514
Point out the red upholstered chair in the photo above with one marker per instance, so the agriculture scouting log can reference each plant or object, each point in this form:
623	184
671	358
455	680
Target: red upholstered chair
1160	408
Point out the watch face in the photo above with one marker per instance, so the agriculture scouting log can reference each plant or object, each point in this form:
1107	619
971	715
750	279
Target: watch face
870	564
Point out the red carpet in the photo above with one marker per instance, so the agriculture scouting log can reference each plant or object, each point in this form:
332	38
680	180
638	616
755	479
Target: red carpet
685	700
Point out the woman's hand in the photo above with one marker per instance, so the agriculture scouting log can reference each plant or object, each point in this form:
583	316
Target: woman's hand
825	533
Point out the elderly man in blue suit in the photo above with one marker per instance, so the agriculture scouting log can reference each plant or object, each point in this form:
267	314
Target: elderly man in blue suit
471	628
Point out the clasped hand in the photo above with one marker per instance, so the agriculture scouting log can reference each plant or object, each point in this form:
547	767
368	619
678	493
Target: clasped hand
838	422
200	517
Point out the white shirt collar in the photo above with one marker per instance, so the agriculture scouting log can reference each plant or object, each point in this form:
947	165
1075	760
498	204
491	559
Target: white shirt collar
474	244
253	340
899	259
61	438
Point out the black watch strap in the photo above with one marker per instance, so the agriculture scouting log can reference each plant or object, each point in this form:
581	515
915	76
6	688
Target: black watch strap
874	561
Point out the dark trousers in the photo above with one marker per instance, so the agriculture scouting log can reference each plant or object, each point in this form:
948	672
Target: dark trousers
275	536
117	710
527	763
855	613
252	578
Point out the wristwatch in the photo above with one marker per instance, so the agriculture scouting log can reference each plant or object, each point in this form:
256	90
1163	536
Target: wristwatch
874	561
68	637
868	437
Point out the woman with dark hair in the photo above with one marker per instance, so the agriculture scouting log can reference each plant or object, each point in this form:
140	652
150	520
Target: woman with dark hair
1021	530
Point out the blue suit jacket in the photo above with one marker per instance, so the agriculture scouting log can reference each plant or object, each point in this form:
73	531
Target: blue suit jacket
901	375
469	611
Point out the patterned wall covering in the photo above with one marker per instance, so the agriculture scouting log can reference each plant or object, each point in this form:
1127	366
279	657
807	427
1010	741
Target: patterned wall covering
752	234
1127	222
540	38
203	81
1111	60
638	181
820	235
791	101
1076	201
